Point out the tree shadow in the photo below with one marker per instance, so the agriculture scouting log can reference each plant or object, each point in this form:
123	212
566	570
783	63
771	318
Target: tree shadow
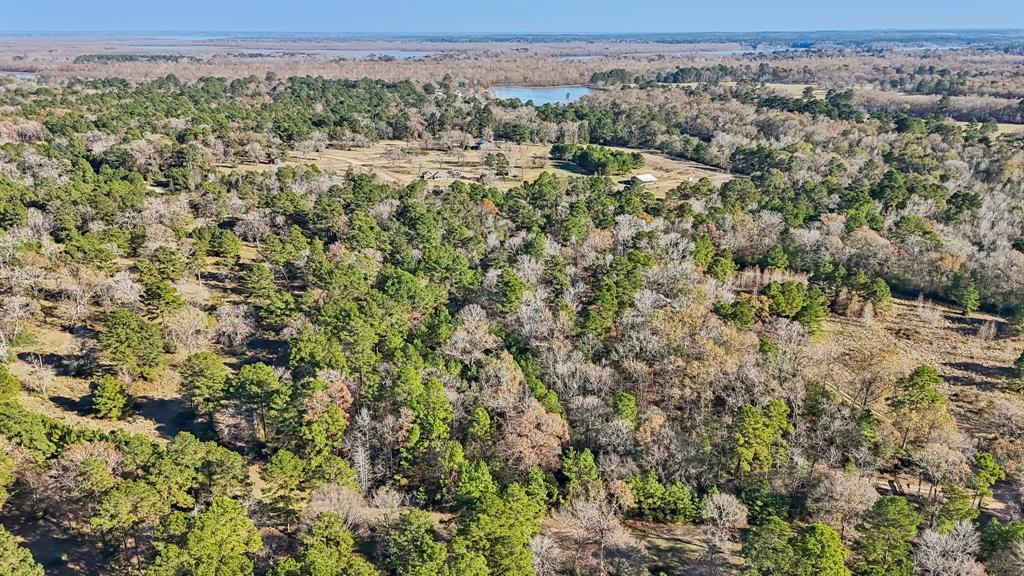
60	552
171	416
985	371
268	350
569	167
66	365
964	325
81	405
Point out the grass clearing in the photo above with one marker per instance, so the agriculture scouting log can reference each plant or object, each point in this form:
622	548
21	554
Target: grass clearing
978	371
398	162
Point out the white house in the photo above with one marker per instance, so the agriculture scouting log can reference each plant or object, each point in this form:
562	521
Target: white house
645	178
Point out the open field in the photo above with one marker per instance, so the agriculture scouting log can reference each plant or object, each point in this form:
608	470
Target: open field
978	370
400	163
1002	127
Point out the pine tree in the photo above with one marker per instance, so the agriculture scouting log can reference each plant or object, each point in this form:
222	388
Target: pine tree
110	398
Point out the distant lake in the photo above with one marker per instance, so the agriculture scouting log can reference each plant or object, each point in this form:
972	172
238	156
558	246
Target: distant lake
541	94
21	75
241	48
387	53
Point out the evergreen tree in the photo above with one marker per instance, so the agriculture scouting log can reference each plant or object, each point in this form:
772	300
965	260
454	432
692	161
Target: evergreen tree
330	550
768	548
216	542
966	295
412	548
110	398
204	380
130	343
819	551
15	560
283	477
511	289
887	529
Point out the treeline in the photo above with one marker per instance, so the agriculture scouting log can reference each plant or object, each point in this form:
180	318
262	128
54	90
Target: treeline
763	72
104	58
836	105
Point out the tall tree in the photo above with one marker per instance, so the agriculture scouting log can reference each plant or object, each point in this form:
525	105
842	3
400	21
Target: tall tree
216	542
888	528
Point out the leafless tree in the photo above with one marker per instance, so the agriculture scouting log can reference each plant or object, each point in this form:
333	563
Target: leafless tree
841	498
348	504
236	324
188	328
472	337
722	514
122	290
953	553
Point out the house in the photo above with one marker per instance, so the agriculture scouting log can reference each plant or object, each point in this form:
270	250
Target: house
645	179
483	144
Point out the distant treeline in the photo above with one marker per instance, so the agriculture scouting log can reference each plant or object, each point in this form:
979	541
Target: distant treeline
690	74
104	58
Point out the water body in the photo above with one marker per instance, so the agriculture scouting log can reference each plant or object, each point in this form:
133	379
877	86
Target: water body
323	52
541	94
21	75
402	54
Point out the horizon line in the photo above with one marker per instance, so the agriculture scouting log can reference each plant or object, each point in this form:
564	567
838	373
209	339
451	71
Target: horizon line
523	32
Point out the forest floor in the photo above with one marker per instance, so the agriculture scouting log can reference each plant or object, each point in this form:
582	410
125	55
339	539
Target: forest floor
398	162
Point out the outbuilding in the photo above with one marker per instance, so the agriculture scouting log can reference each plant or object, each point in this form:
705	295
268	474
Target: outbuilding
483	144
645	178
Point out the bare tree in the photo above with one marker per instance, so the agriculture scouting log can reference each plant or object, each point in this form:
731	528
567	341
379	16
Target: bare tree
948	554
15	314
348	504
723	514
841	498
188	328
236	324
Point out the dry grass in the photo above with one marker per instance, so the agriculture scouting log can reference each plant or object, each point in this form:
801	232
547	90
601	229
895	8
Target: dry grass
679	549
978	371
399	163
1002	127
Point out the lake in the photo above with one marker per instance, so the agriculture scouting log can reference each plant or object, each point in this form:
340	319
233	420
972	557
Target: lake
384	53
241	48
541	94
21	75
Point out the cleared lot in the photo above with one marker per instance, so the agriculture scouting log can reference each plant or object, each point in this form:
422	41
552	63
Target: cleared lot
400	162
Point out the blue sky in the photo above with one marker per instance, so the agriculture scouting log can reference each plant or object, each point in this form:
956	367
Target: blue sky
482	16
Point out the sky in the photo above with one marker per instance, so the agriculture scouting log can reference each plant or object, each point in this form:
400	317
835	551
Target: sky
502	16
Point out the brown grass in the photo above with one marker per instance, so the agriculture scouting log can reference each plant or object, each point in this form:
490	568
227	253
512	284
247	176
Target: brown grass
978	372
527	161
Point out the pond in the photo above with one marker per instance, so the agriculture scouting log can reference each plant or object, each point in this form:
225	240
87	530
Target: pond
541	94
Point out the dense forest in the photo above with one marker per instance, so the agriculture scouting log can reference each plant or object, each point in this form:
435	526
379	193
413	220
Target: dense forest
471	379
